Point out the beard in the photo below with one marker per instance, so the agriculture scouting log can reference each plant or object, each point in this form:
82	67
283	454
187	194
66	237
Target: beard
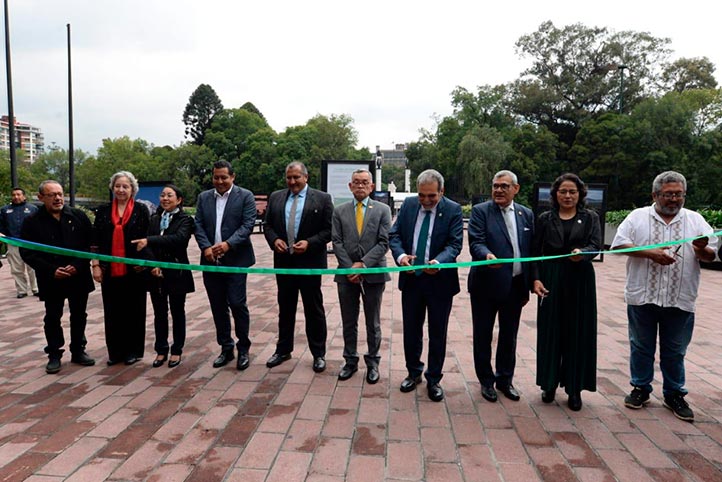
668	210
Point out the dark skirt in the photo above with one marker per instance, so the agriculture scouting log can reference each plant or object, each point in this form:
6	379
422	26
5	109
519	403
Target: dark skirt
567	327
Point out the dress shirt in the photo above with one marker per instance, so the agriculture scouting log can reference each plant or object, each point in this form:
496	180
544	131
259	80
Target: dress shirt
299	209
673	285
221	201
417	228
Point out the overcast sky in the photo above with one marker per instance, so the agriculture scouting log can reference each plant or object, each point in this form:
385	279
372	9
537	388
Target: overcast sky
390	65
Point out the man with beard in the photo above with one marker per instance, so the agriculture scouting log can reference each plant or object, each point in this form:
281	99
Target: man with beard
661	289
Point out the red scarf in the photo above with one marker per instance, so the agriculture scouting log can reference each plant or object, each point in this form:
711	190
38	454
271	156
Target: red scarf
118	246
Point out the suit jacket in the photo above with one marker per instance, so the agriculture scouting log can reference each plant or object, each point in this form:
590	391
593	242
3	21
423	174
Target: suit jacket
369	247
488	234
446	240
239	217
75	233
315	227
549	234
171	247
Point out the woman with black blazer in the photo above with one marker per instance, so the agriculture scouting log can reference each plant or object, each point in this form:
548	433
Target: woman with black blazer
122	285
567	307
170	230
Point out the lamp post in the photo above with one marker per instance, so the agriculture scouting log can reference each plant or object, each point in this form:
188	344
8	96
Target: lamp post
379	163
11	110
621	69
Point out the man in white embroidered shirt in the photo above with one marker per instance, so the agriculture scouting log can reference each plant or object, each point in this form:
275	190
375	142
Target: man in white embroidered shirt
662	288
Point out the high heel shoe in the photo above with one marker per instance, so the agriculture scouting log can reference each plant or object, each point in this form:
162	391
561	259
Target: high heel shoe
575	401
174	363
159	360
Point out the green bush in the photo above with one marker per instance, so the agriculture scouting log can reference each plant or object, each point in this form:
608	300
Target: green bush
712	216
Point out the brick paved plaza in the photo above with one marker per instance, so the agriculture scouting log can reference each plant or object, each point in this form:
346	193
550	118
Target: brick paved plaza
289	424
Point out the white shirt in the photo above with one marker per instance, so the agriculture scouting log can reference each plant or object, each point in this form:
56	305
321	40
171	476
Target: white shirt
674	285
221	201
511	224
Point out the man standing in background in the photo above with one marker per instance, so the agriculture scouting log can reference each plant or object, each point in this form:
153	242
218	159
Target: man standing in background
12	217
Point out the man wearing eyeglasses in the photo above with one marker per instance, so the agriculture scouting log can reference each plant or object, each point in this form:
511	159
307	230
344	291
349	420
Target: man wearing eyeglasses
60	277
360	236
661	289
499	228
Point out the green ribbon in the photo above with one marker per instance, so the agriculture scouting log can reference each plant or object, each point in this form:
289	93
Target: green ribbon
320	271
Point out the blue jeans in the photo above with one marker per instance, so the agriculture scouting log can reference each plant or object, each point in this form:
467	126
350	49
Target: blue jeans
675	333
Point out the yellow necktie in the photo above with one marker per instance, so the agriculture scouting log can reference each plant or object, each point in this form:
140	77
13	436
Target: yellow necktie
359	216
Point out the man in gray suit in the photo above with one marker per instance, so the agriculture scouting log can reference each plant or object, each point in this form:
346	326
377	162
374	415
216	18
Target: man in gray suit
224	221
360	238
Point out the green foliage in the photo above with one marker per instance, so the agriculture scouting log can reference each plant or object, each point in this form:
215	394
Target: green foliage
200	111
615	218
228	135
689	74
712	216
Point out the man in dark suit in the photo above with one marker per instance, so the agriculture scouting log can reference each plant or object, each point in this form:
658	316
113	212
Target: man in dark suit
224	221
499	228
298	228
428	230
360	240
60	277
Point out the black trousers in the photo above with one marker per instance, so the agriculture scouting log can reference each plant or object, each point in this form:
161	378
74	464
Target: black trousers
289	286
177	302
483	313
54	304
124	300
227	292
419	299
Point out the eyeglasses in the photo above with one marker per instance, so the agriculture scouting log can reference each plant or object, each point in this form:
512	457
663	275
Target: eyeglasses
672	195
571	192
501	187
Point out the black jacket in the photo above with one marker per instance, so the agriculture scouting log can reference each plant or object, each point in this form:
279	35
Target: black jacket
136	228
171	247
72	231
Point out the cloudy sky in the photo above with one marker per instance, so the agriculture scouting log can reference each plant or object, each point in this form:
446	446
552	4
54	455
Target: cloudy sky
390	65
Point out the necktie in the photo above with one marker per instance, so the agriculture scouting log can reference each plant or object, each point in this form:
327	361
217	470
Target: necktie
511	228
421	242
291	224
359	216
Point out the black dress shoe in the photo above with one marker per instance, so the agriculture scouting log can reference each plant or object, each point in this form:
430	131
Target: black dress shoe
489	393
347	371
243	361
548	396
21	295
575	402
223	359
510	392
131	360
436	393
53	366
174	363
372	375
409	383
110	362
83	359
276	359
159	360
319	364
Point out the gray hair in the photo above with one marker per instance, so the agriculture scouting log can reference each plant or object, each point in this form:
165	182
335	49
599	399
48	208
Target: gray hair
667	177
131	178
502	173
429	176
362	171
41	188
298	164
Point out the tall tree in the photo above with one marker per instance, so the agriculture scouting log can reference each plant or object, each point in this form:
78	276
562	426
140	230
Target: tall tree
569	80
253	109
202	106
689	73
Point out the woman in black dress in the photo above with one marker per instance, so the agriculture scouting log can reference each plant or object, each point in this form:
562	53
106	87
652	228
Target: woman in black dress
567	306
122	285
170	230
